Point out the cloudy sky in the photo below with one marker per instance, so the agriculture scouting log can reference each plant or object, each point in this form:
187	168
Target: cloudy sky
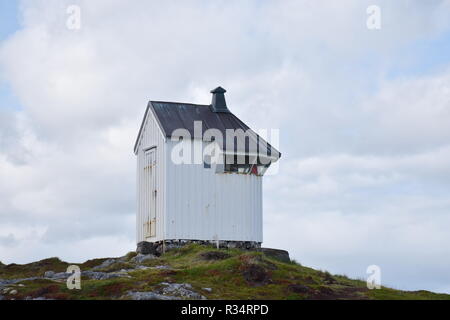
364	119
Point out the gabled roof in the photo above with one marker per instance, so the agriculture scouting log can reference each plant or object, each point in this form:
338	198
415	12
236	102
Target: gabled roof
173	115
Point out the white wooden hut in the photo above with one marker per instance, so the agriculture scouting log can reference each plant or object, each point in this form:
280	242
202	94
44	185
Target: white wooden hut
217	198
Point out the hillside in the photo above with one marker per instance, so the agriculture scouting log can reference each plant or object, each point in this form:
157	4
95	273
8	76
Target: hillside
192	272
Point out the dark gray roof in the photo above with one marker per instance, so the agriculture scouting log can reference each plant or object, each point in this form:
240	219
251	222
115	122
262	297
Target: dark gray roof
174	115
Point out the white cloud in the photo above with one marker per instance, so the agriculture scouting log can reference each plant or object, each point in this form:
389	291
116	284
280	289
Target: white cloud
414	113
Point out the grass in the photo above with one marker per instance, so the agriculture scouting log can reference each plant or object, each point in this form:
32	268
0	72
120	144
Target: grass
231	274
14	271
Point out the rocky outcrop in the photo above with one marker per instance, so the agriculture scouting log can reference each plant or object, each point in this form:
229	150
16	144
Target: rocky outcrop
94	275
169	291
159	247
256	275
103	275
146	247
298	288
57	276
14	281
149	296
140	258
107	263
183	290
10	291
214	255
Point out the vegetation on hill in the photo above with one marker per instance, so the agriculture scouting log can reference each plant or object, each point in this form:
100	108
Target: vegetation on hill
208	272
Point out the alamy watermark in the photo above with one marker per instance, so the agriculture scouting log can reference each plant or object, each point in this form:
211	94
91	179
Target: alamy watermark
243	151
74	17
374	19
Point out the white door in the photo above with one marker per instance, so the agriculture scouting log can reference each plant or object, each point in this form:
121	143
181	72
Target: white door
150	193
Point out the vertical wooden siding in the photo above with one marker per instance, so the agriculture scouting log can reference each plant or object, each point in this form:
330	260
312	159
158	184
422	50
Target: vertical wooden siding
204	205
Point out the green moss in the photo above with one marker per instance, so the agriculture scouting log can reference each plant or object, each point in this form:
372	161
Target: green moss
391	294
116	267
14	271
130	255
91	263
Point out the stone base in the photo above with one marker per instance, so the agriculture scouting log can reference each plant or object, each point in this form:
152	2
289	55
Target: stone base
157	248
281	255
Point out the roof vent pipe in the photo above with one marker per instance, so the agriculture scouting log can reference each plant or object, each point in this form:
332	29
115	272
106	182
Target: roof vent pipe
218	103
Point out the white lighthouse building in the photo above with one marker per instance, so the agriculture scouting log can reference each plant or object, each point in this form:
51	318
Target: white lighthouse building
199	175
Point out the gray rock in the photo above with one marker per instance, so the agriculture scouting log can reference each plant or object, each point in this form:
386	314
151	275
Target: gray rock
161	267
214	255
49	274
140	268
278	254
59	276
207	289
146	247
150	296
38	298
28	279
10	291
140	258
2	297
94	275
167	246
4	283
181	289
106	264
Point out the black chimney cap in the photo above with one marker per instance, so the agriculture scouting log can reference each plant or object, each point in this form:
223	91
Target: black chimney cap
218	90
218	103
